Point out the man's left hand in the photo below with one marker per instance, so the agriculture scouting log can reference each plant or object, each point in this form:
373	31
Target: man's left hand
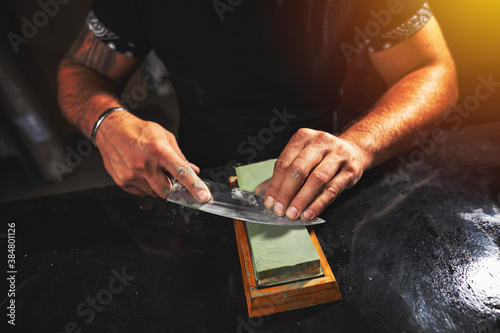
313	169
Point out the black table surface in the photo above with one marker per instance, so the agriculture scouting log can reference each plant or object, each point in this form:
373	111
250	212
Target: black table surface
414	248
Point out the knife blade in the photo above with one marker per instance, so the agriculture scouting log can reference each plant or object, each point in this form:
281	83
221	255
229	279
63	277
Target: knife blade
234	203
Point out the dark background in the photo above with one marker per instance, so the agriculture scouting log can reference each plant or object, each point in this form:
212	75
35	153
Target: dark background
471	28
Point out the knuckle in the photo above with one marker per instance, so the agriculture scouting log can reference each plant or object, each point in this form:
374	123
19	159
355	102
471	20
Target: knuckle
352	172
152	126
127	176
281	165
121	182
272	189
137	167
298	172
170	136
325	137
153	147
185	173
299	166
320	177
349	168
344	151
303	133
331	192
351	183
353	180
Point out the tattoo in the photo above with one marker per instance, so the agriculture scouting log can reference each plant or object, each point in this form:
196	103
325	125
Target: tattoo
89	51
92	75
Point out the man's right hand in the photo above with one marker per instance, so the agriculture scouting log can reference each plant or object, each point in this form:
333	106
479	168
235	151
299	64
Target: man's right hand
139	155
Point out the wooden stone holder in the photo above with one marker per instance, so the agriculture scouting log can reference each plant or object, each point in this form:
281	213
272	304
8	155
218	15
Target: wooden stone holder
288	296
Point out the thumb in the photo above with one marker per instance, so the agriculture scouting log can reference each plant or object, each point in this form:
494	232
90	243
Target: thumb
262	188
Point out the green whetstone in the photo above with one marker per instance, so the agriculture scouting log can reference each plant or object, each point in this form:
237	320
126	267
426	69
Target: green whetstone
279	254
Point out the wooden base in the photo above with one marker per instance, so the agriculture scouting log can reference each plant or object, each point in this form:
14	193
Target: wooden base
289	296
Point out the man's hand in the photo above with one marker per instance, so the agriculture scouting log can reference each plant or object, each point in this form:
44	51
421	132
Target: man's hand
316	167
313	169
139	155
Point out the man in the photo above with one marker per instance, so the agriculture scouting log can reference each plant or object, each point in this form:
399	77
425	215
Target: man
241	66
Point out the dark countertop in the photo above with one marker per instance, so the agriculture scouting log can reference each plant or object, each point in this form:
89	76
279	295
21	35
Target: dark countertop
414	251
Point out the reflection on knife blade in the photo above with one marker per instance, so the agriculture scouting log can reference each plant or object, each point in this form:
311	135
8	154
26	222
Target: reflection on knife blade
234	203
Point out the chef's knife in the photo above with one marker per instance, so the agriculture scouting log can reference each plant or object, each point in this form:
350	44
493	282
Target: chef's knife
234	203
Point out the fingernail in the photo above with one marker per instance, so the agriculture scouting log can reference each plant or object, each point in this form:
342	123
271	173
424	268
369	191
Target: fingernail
292	213
269	202
307	215
278	209
203	196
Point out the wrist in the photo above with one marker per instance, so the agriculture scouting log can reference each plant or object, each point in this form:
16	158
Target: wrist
111	124
363	150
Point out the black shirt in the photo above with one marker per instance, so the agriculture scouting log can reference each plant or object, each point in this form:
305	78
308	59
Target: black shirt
248	74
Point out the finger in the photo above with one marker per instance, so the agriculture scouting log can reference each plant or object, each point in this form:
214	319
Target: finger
143	185
299	170
183	172
160	184
313	187
135	191
194	167
262	187
292	149
186	175
329	193
125	180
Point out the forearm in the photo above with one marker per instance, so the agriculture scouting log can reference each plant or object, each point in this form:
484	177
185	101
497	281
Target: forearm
84	94
408	109
137	154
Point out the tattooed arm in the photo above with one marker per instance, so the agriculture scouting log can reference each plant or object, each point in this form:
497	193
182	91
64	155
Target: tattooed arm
136	153
91	76
315	167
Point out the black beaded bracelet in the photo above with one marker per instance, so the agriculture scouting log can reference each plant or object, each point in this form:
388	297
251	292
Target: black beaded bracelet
100	120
